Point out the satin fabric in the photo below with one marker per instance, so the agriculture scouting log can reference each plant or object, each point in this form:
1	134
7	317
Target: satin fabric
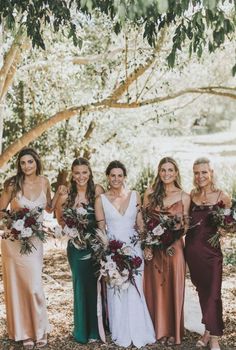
164	281
22	278
84	287
205	266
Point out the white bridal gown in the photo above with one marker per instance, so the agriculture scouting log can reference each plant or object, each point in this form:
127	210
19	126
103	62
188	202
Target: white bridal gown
129	319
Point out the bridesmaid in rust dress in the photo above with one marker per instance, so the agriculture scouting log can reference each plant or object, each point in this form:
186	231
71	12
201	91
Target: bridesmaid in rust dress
205	261
164	273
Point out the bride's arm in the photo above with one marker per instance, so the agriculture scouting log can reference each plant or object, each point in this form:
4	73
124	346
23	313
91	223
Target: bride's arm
99	213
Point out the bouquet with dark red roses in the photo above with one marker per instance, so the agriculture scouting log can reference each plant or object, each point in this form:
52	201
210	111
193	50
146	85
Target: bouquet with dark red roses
76	226
222	218
160	230
118	264
22	225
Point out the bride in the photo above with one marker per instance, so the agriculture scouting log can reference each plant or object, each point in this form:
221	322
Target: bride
117	212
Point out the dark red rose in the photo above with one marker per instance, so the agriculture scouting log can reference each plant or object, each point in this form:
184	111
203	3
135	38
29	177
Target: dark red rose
228	220
118	259
15	233
114	245
167	238
152	223
136	261
221	204
30	221
70	222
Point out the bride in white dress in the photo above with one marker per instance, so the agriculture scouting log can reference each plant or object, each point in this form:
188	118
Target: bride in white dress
117	212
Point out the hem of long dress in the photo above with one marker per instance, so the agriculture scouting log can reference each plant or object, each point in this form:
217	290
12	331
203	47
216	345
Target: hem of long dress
126	345
85	341
35	338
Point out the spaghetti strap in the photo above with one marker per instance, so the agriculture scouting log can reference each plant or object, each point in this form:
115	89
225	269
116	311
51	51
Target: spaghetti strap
182	202
218	197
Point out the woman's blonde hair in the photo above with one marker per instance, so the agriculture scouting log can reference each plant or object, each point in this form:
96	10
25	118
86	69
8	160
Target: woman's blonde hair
204	160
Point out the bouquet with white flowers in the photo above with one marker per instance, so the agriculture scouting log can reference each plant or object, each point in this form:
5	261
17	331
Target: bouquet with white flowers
224	219
22	225
76	223
118	264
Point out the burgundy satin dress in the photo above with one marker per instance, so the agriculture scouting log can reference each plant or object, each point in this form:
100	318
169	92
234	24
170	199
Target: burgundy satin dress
205	266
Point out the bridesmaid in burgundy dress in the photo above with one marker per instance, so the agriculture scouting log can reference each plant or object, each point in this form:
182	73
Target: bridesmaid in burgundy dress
205	261
164	273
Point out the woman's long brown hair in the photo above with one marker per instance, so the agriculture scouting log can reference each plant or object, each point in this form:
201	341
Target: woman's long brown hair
157	196
17	180
90	190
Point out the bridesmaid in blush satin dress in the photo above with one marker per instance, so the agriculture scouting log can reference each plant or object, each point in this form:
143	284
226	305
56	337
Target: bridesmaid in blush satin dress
164	272
205	261
22	274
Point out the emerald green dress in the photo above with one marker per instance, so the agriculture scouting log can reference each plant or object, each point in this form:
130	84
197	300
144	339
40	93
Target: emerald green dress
84	287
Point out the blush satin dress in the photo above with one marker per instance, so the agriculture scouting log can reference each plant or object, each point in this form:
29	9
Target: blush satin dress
22	278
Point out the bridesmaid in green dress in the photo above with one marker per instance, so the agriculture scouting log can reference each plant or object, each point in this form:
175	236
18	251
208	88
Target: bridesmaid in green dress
82	191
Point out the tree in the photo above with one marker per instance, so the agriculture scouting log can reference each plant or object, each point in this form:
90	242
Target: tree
194	18
122	94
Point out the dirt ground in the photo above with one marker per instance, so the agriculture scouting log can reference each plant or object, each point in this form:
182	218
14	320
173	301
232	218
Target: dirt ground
58	291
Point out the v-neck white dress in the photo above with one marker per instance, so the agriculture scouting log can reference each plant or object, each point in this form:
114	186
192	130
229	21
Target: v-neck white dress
22	279
129	319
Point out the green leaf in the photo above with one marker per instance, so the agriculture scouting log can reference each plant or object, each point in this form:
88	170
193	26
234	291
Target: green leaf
234	70
171	59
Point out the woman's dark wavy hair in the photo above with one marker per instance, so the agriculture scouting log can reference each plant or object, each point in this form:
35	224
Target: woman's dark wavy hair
157	196
116	164
17	180
90	190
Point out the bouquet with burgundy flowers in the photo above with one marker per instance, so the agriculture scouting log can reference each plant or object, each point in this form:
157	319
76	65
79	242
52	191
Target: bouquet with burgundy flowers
160	231
118	264
222	218
22	225
76	223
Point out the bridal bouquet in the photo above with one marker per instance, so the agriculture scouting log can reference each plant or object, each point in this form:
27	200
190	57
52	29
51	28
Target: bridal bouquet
222	218
161	230
118	264
76	223
23	225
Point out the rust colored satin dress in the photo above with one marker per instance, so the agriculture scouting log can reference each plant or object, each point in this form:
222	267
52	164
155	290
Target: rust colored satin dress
205	266
164	280
22	279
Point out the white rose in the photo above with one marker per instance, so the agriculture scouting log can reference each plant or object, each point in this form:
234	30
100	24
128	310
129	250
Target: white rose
227	212
110	266
114	274
81	211
158	230
71	232
58	231
18	224
127	250
26	232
